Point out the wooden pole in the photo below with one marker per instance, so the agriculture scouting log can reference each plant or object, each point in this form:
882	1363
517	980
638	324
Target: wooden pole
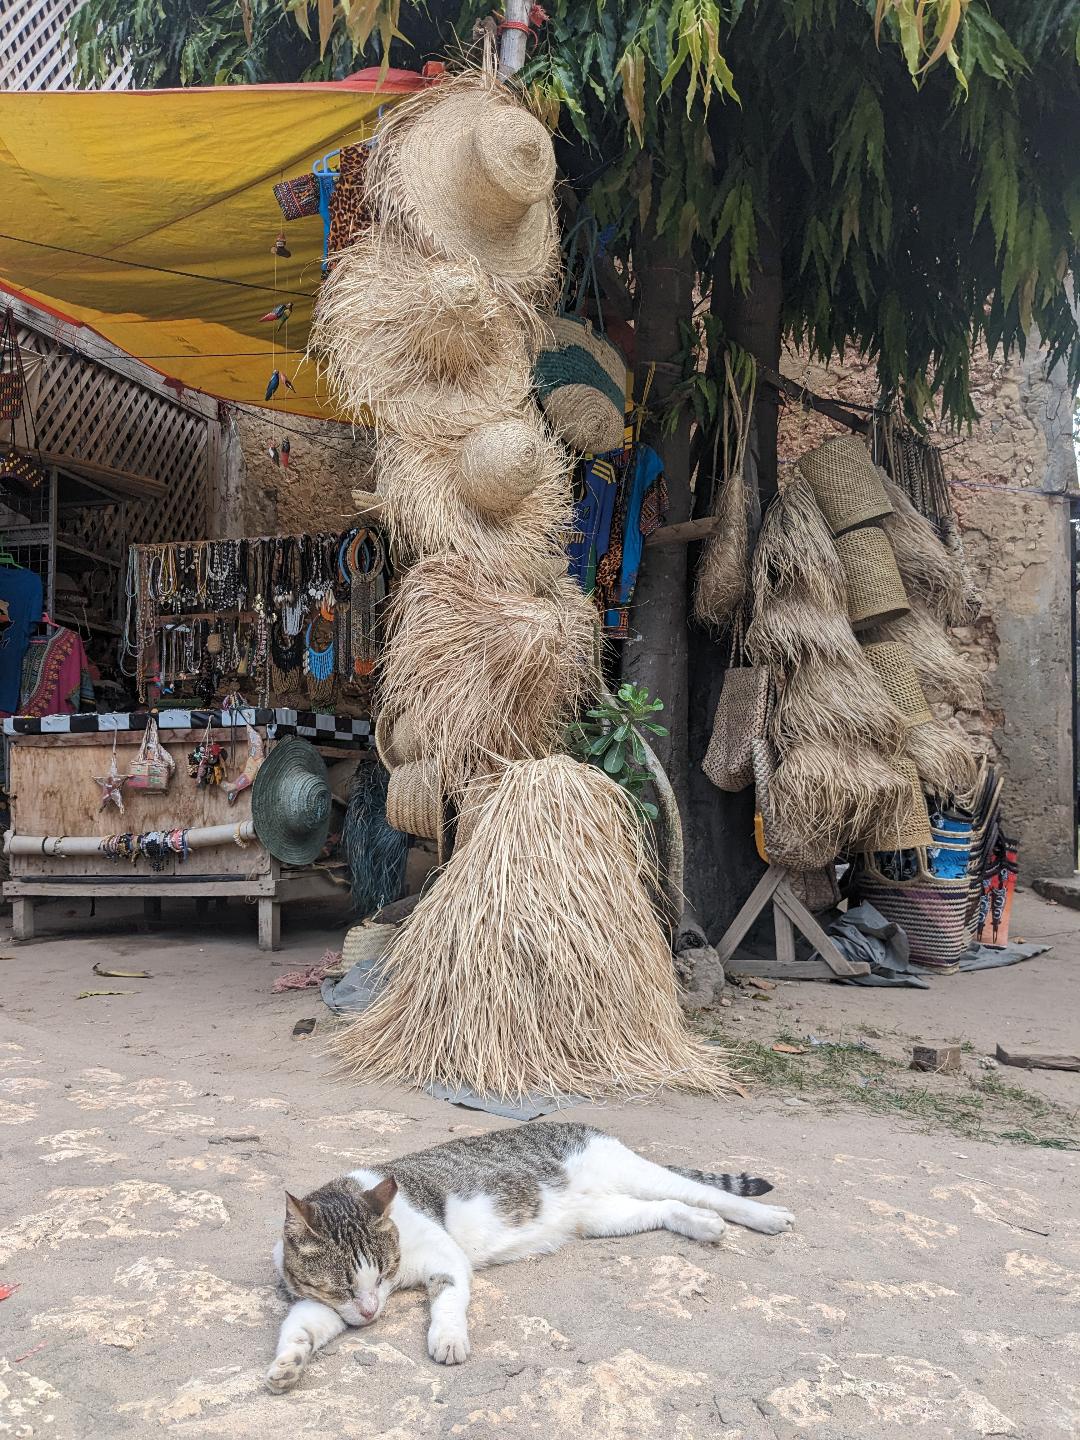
513	43
70	845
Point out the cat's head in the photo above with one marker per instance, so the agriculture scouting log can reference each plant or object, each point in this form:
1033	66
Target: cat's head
340	1246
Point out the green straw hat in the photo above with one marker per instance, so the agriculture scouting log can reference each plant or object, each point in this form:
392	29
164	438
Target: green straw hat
290	802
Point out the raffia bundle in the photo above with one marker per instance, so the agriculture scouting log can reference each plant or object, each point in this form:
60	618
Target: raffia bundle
942	756
822	799
407	339
841	704
486	670
722	575
461	170
500	497
510	977
929	571
945	675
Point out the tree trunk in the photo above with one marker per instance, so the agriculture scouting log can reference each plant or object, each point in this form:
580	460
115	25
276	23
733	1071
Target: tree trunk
722	864
656	654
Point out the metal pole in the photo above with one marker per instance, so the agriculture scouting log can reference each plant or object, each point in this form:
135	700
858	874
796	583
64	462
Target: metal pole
513	44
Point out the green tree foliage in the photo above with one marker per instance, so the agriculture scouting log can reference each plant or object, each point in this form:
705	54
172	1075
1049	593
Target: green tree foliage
914	159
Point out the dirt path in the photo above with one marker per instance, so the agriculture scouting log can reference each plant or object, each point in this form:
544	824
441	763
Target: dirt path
932	1285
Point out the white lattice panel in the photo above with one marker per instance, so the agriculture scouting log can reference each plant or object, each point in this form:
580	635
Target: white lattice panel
33	55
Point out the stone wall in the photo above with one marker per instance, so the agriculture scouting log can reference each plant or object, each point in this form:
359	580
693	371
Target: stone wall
327	461
1010	479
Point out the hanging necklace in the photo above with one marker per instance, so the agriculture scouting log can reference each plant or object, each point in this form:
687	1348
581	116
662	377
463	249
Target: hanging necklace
319	664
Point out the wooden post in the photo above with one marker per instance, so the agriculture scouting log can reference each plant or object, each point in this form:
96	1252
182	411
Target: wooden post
513	46
22	919
269	924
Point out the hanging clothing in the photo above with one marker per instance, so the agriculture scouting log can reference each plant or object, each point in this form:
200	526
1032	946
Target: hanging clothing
596	488
645	506
22	591
326	181
55	675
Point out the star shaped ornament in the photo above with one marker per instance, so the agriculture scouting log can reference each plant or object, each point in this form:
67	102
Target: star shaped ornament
112	785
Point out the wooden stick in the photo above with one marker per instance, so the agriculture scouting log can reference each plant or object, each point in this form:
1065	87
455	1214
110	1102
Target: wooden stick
685	532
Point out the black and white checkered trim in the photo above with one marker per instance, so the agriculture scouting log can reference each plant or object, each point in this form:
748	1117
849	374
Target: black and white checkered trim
326	729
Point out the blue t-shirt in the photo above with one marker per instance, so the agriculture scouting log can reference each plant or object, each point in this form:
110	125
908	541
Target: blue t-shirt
22	591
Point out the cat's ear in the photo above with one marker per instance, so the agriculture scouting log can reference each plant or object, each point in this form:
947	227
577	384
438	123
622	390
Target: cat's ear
299	1212
380	1197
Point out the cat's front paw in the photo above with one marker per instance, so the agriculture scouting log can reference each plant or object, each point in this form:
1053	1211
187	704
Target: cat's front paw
285	1373
448	1347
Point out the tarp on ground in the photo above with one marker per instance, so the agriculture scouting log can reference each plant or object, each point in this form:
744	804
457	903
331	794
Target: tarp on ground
149	216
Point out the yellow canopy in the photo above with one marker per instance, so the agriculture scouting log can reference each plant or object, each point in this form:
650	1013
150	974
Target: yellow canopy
149	216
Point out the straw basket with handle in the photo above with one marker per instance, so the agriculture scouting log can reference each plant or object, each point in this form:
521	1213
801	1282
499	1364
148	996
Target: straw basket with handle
912	830
845	482
933	913
743	712
580	376
875	591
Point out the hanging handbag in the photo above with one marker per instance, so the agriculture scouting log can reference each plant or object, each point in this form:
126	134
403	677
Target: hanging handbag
152	769
742	716
299	197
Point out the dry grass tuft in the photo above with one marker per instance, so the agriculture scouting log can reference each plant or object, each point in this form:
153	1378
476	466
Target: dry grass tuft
723	570
487	671
943	758
929	571
944	674
795	555
425	346
536	962
821	799
841	704
427	513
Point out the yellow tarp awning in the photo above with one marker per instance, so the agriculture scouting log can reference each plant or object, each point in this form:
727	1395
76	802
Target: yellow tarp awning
150	215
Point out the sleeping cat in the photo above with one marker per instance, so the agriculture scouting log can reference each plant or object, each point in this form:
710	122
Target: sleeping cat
432	1218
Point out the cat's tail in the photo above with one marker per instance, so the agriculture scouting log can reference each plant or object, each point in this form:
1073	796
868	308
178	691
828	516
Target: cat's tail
734	1184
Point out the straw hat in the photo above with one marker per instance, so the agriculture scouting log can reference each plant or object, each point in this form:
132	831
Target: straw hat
845	482
291	801
414	804
471	172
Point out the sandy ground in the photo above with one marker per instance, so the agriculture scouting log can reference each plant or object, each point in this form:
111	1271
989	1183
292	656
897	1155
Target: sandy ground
932	1284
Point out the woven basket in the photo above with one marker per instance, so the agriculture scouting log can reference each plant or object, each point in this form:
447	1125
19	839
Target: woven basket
933	914
501	465
414	805
913	832
875	591
581	380
742	716
845	482
891	660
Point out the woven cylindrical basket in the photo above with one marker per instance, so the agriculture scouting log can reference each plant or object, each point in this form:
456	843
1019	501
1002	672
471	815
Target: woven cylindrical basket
875	591
845	482
414	803
913	831
581	381
891	660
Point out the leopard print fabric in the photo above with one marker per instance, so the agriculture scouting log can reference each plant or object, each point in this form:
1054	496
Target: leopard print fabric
350	214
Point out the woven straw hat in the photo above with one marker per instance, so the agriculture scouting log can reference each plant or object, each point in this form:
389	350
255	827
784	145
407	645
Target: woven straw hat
501	464
291	802
895	669
845	483
913	832
581	380
414	804
476	176
395	740
875	592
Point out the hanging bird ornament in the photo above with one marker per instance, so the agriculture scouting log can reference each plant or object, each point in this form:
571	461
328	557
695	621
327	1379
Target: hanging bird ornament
286	446
274	453
288	384
272	384
280	313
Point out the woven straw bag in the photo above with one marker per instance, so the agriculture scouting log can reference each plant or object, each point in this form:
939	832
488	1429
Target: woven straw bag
778	847
845	483
395	740
933	914
742	716
875	591
913	831
891	660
